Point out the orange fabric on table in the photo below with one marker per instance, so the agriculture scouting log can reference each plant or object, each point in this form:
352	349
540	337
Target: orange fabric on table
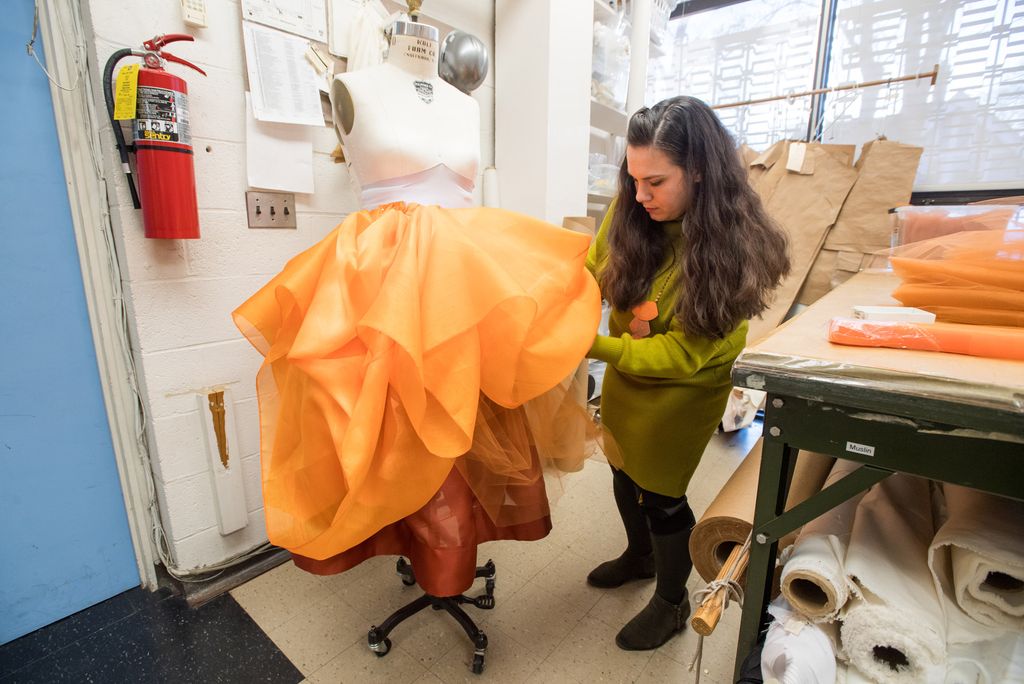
974	340
1000	317
974	277
382	342
959	297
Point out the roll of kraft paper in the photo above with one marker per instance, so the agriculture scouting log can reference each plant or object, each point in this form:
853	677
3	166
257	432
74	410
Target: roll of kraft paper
814	579
895	630
728	520
977	562
974	340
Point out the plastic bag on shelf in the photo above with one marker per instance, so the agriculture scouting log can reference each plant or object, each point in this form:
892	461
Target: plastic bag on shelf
610	72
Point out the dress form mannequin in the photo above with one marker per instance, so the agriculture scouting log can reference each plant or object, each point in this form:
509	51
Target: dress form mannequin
408	135
411	389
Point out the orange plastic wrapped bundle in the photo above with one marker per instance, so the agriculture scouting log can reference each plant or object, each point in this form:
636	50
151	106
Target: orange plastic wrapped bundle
974	277
925	223
406	356
974	340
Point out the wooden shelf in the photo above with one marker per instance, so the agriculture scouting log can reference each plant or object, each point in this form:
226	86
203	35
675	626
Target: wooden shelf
607	118
599	198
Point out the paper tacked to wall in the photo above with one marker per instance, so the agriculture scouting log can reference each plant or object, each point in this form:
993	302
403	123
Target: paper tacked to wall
277	156
282	81
303	17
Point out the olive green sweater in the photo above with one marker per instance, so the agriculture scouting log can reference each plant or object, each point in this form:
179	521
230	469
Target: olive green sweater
663	395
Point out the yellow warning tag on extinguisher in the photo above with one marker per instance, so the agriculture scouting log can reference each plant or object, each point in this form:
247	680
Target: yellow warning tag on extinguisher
124	92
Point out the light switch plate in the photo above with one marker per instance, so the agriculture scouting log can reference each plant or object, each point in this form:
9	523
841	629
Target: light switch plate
270	209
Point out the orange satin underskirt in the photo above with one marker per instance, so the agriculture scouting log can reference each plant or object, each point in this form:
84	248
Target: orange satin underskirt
414	353
440	539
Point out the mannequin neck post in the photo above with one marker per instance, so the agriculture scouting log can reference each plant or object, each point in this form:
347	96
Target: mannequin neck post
414	49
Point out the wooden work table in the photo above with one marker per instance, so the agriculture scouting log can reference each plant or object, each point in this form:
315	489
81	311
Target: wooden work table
947	417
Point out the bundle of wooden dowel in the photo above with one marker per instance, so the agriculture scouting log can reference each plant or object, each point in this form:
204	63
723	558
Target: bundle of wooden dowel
719	590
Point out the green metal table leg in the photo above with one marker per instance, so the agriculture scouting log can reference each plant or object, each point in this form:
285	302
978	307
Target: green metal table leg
777	462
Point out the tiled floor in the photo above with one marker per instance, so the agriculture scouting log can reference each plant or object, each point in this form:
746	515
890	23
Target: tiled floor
139	636
548	624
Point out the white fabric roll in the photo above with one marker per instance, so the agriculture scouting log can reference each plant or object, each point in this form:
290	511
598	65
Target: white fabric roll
997	661
977	564
814	579
895	631
848	674
796	651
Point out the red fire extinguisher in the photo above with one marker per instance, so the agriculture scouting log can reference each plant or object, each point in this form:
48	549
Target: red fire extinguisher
161	141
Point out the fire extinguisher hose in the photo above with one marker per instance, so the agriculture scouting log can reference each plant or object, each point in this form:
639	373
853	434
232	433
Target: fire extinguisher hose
108	96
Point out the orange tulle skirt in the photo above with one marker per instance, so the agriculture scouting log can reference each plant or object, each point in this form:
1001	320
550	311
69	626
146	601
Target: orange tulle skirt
417	381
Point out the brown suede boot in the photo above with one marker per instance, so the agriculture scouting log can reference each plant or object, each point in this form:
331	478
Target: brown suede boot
658	622
666	613
637	561
625	568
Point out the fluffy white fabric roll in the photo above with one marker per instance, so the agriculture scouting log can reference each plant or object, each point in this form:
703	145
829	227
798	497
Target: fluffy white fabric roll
895	631
977	563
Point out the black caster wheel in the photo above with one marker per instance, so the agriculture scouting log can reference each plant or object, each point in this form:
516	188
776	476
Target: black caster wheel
381	648
478	664
405	571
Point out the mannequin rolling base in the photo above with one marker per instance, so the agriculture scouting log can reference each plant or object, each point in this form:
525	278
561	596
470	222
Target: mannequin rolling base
378	636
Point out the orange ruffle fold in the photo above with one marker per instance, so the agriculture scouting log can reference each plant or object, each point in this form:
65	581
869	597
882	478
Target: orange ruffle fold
404	343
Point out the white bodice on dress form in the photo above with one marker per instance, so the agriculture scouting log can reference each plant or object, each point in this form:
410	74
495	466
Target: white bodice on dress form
437	185
411	139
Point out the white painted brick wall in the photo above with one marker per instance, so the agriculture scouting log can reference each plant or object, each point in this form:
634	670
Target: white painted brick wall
181	293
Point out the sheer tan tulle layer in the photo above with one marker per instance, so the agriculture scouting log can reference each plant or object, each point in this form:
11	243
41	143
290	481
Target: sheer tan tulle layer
974	277
410	341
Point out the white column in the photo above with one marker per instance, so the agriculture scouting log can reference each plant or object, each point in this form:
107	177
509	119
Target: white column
543	51
639	47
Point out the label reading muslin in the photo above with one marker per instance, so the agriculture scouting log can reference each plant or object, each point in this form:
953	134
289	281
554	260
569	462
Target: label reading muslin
863	449
163	115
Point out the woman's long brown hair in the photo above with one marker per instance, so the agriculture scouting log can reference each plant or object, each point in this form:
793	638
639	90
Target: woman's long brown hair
733	253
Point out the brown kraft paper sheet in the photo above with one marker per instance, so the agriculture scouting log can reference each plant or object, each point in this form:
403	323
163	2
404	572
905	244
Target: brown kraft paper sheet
805	205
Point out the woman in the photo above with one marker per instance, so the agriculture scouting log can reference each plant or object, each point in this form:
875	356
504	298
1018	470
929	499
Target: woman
685	256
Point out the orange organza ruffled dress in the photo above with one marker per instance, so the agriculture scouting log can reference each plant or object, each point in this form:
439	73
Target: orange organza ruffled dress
414	385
